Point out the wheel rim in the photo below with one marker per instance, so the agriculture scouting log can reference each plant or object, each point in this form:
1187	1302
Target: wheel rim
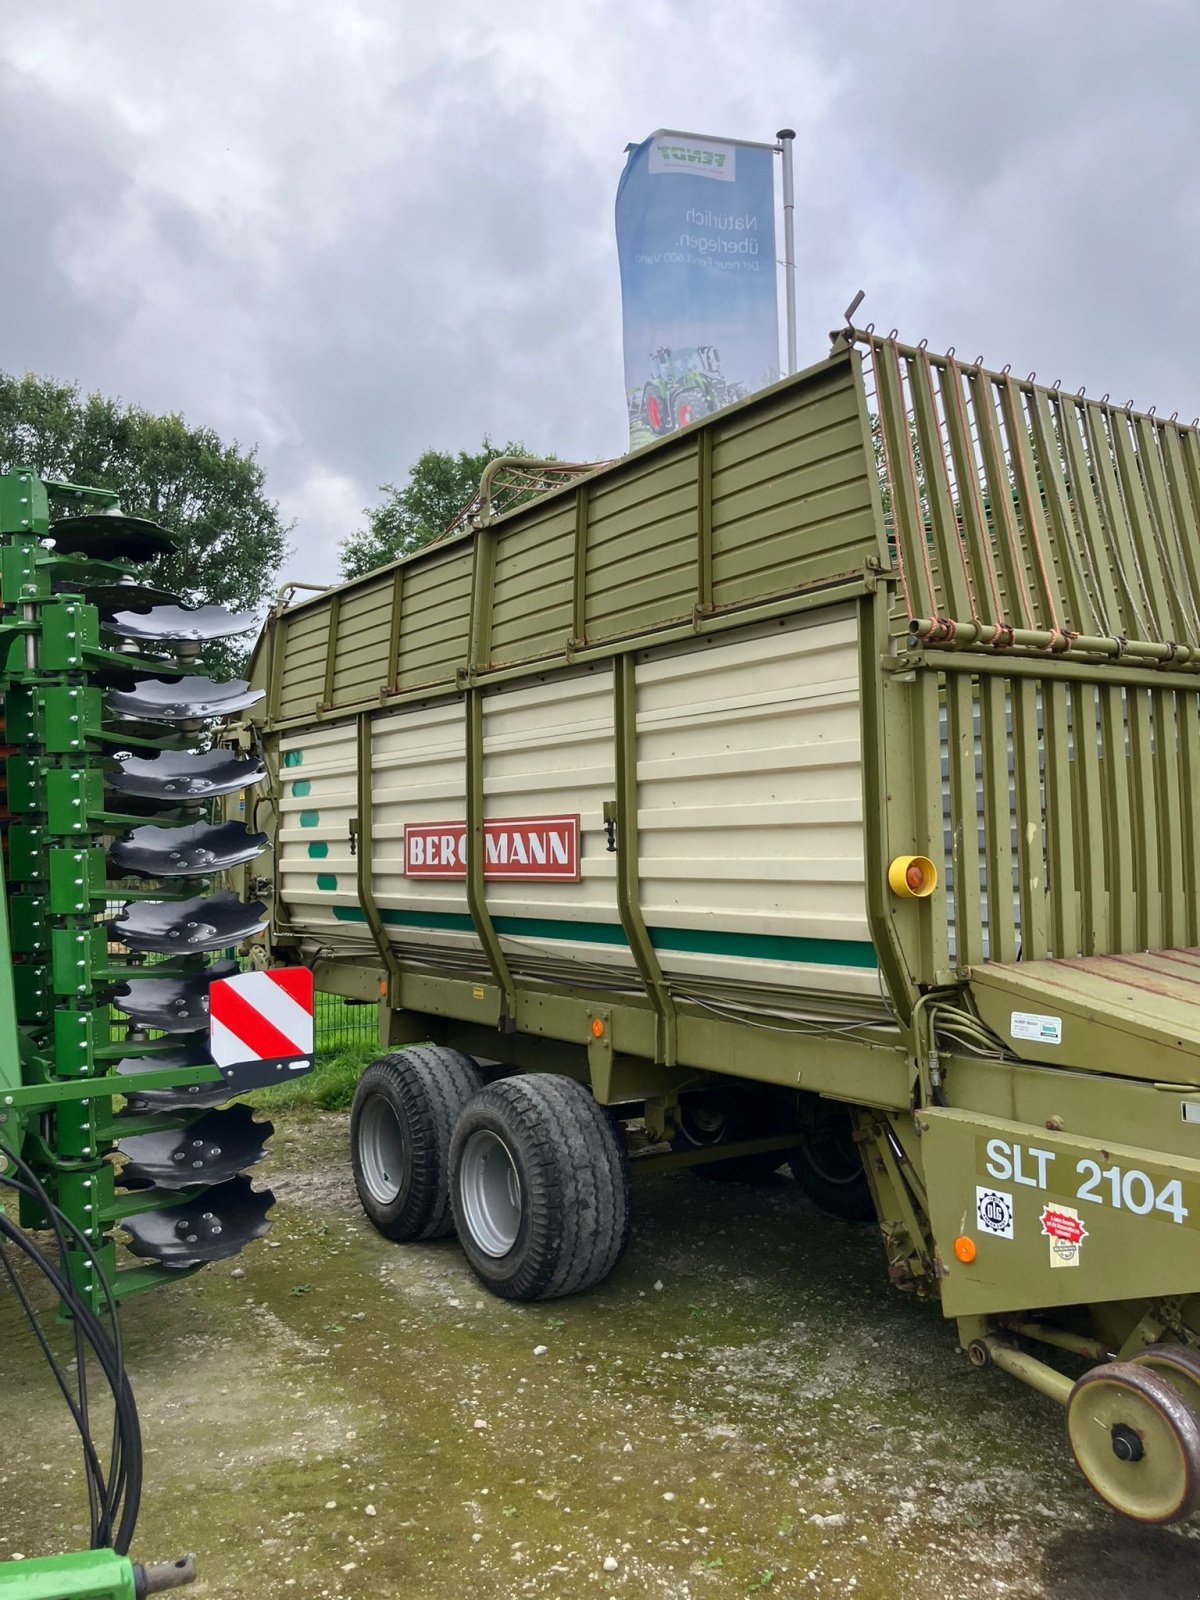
1178	1365
381	1154
491	1193
1136	1441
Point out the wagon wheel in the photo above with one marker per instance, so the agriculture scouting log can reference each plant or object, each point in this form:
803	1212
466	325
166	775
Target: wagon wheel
1178	1365
1137	1442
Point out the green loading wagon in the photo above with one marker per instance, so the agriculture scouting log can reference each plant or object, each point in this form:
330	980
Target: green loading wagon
821	783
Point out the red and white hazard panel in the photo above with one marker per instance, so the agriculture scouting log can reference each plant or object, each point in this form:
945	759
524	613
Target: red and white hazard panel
263	1018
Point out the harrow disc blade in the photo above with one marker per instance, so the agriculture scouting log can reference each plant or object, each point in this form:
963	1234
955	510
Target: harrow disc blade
172	1005
189	700
111	538
191	775
196	1096
110	598
212	1149
175	624
188	926
162	733
191	852
216	1224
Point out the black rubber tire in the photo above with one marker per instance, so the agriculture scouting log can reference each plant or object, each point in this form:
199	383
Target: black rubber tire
740	1122
426	1087
828	1166
572	1171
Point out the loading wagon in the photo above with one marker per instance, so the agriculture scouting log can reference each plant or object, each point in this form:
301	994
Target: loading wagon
820	785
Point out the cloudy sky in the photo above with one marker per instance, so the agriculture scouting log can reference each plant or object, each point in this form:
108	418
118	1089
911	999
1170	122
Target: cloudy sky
348	231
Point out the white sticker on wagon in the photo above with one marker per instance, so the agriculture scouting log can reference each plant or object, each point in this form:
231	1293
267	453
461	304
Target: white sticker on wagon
994	1212
1038	1029
1191	1110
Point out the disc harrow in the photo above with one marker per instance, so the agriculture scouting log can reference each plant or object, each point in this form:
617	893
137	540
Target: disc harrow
113	842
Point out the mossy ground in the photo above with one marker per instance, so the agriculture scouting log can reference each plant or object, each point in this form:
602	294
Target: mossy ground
744	1409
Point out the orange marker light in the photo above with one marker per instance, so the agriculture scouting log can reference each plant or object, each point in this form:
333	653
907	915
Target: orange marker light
597	1028
912	877
964	1249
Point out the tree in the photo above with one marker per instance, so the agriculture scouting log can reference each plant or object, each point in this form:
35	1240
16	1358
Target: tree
439	486
209	494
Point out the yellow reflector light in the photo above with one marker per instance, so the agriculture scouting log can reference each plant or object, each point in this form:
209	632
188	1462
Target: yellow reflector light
912	877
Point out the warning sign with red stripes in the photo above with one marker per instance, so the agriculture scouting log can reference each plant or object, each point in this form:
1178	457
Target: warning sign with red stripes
263	1018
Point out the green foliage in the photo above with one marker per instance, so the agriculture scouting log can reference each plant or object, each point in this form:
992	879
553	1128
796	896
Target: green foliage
439	485
209	493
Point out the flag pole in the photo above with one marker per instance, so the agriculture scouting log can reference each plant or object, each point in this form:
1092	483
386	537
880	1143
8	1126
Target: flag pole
785	137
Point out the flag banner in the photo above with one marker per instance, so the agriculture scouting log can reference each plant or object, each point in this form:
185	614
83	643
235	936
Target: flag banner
696	243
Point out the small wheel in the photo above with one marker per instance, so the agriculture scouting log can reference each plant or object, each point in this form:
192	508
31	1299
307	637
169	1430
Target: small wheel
539	1184
828	1166
404	1111
713	1121
1137	1442
1178	1365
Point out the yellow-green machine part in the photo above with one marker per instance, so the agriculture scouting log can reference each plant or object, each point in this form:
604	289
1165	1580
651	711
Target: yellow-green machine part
823	780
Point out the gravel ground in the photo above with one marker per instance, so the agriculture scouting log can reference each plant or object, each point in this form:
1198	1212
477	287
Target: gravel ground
744	1409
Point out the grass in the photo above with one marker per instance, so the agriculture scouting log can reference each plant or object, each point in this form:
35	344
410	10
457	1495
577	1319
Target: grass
328	1087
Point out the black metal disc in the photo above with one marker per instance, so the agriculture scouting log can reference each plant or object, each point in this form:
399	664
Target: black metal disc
172	624
109	598
188	700
191	852
112	538
188	927
214	1225
194	1096
188	775
212	1149
172	1005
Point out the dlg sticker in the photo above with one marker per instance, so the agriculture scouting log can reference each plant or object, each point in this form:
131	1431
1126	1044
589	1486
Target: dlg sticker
994	1212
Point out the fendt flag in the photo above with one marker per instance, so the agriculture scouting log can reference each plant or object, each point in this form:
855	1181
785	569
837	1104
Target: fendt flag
696	242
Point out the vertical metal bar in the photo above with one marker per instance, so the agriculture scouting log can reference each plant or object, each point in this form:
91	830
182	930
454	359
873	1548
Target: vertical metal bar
1181	460
997	818
928	832
704	542
1187	708
881	739
1143	808
276	658
1027	785
481	917
786	137
1117	820
1167	543
628	869
1026	490
335	611
951	561
483	571
364	861
966	480
1089	821
908	519
1118	544
1141	529
1167	777
1077	612
1009	555
964	821
1072	432
1060	830
392	676
579	577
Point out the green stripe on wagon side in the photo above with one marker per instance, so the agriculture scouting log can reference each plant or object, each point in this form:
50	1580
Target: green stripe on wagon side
690	941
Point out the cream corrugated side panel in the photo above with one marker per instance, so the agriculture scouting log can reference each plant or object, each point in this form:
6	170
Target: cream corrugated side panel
419	774
549	750
750	809
317	798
